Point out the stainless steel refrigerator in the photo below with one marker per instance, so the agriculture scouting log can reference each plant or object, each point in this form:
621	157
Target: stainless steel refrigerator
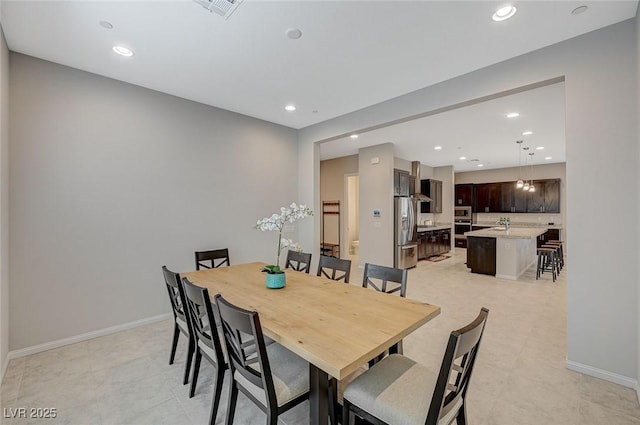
405	233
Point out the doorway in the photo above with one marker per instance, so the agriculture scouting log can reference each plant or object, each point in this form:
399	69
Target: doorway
351	222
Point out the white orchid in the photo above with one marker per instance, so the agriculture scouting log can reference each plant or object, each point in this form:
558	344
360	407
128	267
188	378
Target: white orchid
276	222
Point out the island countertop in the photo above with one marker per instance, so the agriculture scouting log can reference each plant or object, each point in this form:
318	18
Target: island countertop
512	233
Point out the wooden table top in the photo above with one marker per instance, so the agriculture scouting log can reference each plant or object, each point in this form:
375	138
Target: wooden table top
333	325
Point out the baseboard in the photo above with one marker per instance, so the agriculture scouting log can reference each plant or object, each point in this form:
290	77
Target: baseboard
4	368
84	337
625	381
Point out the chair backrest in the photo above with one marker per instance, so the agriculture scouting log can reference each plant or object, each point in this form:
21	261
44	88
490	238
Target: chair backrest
216	257
298	261
378	278
176	294
202	319
330	266
459	359
246	347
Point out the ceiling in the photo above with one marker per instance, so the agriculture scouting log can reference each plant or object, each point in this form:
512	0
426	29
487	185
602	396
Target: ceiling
352	54
481	133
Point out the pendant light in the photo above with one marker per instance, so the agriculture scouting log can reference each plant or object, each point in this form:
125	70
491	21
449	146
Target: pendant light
525	187
519	183
531	186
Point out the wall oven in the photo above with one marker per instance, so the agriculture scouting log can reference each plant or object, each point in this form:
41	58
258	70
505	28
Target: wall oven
462	213
463	223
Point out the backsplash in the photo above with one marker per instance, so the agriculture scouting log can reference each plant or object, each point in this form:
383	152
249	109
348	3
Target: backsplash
556	219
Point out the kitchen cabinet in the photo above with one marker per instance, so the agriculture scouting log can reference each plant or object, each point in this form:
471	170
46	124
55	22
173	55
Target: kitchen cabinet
513	200
403	183
464	195
546	198
549	235
433	242
433	189
422	245
488	197
481	255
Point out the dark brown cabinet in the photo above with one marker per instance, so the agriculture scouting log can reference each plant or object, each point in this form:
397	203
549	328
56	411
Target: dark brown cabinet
488	197
549	235
433	189
403	183
433	242
481	255
464	195
546	198
514	200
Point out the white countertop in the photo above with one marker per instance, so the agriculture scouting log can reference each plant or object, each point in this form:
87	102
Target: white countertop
519	225
513	233
425	228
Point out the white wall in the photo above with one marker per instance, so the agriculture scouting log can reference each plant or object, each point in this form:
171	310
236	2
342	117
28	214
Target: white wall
110	181
4	204
599	70
638	181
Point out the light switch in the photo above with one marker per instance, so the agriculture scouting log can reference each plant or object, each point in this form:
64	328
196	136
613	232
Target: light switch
376	213
375	160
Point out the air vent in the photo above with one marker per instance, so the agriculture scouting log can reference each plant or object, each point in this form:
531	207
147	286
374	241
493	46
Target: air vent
222	7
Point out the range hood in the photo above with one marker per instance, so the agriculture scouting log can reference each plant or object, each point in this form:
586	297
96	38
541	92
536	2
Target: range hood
415	172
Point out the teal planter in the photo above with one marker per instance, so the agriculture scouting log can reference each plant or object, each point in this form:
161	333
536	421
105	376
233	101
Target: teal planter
276	281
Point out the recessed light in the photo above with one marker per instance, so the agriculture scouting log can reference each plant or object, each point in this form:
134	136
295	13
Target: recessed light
106	24
438	148
123	51
354	136
480	165
462	158
580	9
293	33
547	158
527	133
539	148
290	107
504	13
513	115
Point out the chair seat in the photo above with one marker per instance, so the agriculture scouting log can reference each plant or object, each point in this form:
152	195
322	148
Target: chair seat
290	375
394	390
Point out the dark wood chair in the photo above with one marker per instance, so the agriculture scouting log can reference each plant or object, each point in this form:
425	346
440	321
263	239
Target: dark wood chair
378	277
215	258
330	267
255	366
397	390
180	319
298	261
208	343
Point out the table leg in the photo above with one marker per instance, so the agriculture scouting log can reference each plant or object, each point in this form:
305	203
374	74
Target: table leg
318	396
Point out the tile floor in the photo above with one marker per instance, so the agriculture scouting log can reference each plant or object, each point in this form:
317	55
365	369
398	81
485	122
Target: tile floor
519	379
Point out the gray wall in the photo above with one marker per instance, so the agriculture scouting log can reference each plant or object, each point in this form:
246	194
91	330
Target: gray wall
600	75
638	181
4	204
376	192
110	181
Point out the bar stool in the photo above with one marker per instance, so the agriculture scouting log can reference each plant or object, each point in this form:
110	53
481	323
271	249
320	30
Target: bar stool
560	251
556	256
546	262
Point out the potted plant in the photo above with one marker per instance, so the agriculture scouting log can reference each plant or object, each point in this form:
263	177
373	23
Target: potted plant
275	276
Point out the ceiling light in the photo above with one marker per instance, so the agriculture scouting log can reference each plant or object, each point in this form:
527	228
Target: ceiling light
438	148
290	108
123	51
513	115
519	183
547	158
354	136
527	133
580	9
106	24
480	165
504	13
462	158
293	33
539	148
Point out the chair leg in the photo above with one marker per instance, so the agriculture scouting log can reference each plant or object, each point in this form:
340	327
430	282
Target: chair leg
461	419
333	400
174	344
346	412
196	370
187	367
233	398
272	418
217	392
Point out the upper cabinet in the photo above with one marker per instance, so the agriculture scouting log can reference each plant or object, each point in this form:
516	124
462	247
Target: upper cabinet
403	183
546	198
433	189
464	195
488	197
513	200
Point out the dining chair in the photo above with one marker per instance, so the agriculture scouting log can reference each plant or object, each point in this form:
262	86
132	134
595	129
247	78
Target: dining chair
398	390
208	342
215	258
180	319
379	277
298	261
330	266
271	376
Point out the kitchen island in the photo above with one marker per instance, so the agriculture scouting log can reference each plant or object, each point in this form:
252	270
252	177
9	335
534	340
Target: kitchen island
505	254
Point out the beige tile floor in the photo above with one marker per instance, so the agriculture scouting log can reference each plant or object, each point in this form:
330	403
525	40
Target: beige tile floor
519	378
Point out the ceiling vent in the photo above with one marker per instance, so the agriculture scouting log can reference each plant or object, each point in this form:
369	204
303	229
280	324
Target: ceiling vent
223	8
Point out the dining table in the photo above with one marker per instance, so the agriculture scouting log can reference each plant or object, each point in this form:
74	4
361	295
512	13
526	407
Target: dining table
335	327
